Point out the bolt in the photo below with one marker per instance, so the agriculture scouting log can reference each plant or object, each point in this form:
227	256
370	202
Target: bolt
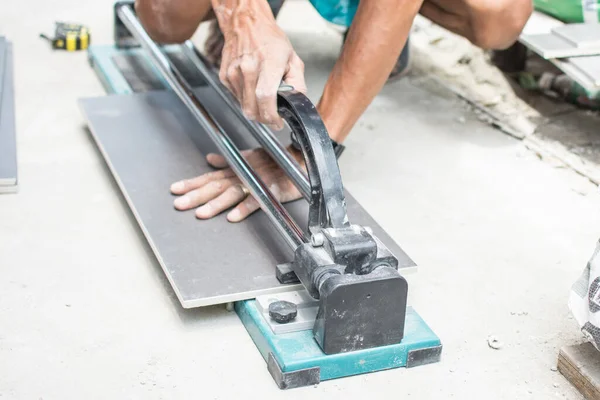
381	265
317	239
283	311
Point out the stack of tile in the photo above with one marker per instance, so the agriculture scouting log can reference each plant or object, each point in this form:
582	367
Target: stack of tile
573	48
8	145
563	41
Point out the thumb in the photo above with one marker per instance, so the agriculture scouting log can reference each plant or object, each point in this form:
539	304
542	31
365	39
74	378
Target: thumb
216	160
295	74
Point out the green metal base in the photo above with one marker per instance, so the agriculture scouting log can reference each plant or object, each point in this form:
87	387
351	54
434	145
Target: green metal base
295	359
126	71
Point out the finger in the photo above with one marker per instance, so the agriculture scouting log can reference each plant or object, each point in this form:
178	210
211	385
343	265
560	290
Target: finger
186	185
248	206
295	75
234	77
203	194
225	61
249	70
266	94
243	210
232	196
257	158
288	191
216	160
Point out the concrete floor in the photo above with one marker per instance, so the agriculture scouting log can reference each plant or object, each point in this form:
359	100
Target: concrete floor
85	311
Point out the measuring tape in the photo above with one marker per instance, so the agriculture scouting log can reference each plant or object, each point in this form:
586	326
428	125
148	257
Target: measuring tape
70	37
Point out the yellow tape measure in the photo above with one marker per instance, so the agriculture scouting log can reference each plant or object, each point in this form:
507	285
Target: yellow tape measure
70	37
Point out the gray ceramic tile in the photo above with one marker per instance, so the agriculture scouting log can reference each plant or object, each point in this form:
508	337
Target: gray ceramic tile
581	35
590	66
150	140
553	46
8	148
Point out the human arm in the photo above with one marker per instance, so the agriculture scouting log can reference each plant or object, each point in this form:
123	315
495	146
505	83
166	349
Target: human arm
358	76
378	33
257	54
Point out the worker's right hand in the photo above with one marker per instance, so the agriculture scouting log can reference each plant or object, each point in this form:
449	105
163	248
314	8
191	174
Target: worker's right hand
257	57
215	192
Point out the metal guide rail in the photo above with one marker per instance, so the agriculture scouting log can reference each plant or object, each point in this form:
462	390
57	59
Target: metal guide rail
362	297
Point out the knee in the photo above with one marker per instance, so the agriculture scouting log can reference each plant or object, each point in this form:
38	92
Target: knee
497	24
161	22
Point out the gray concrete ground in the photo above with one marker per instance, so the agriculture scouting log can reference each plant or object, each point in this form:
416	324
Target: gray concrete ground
85	311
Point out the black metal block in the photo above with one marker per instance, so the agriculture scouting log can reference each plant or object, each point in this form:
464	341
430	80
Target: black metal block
285	274
352	247
424	356
291	380
361	311
309	264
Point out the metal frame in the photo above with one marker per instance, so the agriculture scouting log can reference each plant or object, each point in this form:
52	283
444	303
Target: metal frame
354	276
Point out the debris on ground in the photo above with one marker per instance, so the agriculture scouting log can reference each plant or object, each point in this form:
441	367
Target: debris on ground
467	70
471	73
494	342
520	313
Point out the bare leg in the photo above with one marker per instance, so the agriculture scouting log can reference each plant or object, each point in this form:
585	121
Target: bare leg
490	24
172	21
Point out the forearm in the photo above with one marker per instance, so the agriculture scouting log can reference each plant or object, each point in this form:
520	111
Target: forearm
373	45
236	15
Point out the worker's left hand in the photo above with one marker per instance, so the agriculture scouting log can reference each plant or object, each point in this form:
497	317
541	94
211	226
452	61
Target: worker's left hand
220	190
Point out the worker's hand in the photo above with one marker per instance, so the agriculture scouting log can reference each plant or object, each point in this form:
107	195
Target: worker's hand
257	57
220	190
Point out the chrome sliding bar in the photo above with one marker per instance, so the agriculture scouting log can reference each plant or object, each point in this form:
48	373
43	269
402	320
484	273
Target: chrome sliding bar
278	215
262	135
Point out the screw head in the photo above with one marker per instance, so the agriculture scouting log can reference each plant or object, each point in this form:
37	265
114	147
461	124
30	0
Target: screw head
317	239
283	311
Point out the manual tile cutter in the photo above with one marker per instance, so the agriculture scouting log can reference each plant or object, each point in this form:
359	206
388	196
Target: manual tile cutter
359	321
